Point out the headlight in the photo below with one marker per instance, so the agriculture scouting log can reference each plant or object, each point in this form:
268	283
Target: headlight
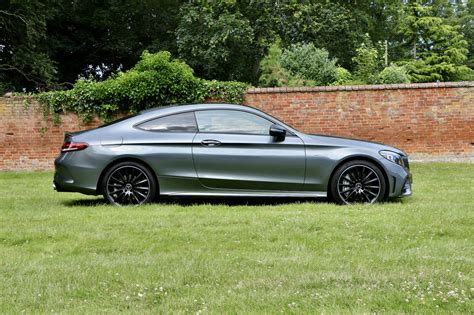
392	157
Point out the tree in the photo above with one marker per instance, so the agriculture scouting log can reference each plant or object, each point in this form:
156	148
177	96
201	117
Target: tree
271	72
48	44
374	17
215	45
368	62
24	62
438	50
323	23
466	22
226	40
307	62
99	38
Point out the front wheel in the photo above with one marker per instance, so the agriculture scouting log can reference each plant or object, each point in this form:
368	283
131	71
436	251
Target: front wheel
358	181
129	183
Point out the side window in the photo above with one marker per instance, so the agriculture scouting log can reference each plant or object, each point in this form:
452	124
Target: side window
184	122
232	121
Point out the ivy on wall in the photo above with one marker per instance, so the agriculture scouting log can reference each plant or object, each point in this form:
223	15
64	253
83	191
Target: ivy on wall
156	80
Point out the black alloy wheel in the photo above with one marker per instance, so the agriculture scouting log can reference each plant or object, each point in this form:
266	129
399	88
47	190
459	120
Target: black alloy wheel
129	183
358	181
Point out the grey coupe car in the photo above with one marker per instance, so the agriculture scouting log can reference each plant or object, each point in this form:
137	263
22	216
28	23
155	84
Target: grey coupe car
224	150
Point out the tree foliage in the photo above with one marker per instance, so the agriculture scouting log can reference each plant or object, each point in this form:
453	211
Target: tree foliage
99	38
466	21
306	62
326	24
438	50
155	80
24	61
271	72
215	45
226	40
393	74
367	61
342	76
49	44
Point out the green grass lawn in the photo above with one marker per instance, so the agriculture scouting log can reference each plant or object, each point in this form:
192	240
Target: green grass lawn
71	253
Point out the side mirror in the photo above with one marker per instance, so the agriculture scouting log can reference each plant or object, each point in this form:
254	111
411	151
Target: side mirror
278	132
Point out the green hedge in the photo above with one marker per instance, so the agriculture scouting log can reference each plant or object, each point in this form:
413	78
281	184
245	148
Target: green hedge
156	80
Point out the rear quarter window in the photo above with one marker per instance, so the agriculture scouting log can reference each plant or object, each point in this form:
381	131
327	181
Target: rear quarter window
183	122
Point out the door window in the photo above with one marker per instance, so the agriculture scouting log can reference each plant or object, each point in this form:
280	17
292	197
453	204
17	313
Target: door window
184	122
232	121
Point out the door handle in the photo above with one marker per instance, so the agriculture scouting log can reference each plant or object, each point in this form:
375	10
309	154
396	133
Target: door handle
210	143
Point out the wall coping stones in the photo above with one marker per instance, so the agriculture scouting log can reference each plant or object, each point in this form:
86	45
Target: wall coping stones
466	84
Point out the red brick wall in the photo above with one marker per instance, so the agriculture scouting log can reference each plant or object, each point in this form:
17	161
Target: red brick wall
27	140
428	119
434	119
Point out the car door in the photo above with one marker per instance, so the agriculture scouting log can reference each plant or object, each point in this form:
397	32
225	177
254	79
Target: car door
233	150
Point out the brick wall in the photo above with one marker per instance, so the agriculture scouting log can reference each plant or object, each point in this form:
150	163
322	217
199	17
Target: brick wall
430	120
27	140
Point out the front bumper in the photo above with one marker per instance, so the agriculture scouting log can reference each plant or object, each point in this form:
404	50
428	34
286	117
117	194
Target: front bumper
406	190
399	178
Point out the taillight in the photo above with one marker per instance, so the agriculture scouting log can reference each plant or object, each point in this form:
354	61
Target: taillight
73	146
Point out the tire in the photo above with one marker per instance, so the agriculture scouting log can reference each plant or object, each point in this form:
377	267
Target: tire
129	183
358	181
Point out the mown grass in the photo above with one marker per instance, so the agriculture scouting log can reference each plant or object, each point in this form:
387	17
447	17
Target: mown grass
70	253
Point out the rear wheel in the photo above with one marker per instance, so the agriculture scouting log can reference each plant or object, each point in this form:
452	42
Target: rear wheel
358	181
129	183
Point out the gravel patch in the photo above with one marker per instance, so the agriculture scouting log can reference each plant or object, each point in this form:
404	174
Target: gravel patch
425	158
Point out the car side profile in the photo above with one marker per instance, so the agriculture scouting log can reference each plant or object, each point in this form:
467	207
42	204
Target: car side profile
224	150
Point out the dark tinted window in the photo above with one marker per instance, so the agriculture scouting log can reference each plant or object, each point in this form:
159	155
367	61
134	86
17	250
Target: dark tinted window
184	122
117	121
232	121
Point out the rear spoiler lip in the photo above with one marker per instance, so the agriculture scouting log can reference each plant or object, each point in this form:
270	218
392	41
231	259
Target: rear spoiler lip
70	134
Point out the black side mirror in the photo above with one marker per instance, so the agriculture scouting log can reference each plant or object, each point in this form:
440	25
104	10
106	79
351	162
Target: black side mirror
278	132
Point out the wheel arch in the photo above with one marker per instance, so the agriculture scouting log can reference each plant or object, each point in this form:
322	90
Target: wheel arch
363	158
126	159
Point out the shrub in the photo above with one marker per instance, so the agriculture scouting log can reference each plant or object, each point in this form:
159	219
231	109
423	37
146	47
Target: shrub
271	71
5	87
464	73
155	80
310	64
368	62
225	91
393	74
342	76
273	74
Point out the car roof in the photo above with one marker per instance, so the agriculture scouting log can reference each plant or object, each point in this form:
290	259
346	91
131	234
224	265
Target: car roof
175	109
188	107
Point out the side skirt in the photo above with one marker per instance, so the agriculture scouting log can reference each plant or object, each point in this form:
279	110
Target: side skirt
185	186
232	193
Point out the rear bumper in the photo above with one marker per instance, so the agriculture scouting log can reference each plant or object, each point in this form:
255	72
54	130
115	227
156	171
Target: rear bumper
74	177
60	188
72	188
